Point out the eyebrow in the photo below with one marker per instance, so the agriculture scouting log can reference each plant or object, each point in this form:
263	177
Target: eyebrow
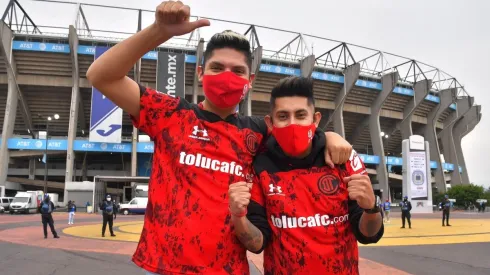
295	111
217	63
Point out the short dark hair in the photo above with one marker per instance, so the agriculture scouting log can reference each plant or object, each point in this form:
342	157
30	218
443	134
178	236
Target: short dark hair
293	86
232	40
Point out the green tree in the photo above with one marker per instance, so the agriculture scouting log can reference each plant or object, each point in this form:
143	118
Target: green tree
486	195
466	195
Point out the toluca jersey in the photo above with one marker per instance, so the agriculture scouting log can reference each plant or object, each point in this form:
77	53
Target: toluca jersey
197	155
315	227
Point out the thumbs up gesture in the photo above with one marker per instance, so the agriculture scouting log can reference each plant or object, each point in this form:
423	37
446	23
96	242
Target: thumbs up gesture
172	19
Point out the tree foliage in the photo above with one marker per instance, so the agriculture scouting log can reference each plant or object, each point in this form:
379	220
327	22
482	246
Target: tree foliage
466	195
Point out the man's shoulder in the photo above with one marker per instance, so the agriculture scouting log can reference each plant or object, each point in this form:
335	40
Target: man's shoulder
254	123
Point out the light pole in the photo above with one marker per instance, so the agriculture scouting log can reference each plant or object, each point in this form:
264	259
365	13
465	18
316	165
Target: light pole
56	116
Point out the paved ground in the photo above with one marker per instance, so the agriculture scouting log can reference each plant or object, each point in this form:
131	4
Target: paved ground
24	251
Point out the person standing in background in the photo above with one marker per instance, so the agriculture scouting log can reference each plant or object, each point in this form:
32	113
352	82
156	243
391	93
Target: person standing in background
387	209
406	208
446	208
109	210
72	208
46	208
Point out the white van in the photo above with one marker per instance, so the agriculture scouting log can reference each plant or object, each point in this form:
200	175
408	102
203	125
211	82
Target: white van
5	202
136	205
25	202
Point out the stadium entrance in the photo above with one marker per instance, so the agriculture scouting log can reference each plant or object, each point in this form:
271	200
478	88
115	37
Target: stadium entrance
122	189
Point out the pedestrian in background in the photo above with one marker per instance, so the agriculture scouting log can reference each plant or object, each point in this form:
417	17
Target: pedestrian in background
406	208
446	207
109	210
72	208
46	208
387	210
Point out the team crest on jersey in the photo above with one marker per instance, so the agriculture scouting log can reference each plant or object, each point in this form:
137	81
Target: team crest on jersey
251	143
328	184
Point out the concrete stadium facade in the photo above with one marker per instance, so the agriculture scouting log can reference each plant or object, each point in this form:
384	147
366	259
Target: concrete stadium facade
375	100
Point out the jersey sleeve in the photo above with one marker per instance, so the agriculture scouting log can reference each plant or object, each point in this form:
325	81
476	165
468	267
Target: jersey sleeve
355	165
355	214
257	194
155	111
257	213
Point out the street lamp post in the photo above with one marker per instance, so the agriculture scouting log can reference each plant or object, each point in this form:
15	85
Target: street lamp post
56	116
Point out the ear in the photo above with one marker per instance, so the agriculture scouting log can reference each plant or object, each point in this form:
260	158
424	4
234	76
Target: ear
252	78
200	72
268	122
317	117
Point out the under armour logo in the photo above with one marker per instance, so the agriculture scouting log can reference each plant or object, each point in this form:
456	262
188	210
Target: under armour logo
420	204
203	132
274	189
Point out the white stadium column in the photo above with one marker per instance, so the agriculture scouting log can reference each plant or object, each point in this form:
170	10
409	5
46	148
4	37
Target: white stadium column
420	90
14	96
307	65
447	97
389	82
461	128
351	74
74	107
463	105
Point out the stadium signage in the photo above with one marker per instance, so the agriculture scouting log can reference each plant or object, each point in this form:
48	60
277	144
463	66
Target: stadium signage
153	55
105	116
171	74
148	147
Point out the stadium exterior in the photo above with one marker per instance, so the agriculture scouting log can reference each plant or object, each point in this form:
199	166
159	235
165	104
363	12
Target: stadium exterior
372	98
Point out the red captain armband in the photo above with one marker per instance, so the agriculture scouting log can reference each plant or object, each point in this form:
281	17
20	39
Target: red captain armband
243	214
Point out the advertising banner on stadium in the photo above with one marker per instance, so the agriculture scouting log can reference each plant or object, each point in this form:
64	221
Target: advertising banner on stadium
171	74
105	116
418	174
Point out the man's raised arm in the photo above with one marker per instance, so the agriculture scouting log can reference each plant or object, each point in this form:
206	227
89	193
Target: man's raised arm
108	72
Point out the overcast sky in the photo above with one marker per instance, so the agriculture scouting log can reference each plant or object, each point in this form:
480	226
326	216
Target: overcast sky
451	35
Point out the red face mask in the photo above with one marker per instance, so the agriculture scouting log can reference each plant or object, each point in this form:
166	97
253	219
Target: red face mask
225	90
294	139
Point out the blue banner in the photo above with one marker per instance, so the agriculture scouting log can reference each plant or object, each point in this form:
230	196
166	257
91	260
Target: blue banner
279	70
40	47
105	116
148	147
368	159
369	84
37	144
90	50
87	146
433	98
86	50
145	147
328	77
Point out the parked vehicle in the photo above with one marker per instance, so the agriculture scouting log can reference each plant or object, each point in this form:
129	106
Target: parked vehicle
136	205
26	202
54	198
5	202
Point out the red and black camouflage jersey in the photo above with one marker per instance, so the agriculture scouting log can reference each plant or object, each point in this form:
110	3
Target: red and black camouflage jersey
315	227
197	155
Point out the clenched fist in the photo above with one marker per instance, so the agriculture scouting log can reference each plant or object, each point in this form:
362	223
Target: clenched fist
239	196
172	19
361	190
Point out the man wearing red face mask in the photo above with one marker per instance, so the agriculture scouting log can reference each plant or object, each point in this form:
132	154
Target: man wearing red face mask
199	148
307	215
